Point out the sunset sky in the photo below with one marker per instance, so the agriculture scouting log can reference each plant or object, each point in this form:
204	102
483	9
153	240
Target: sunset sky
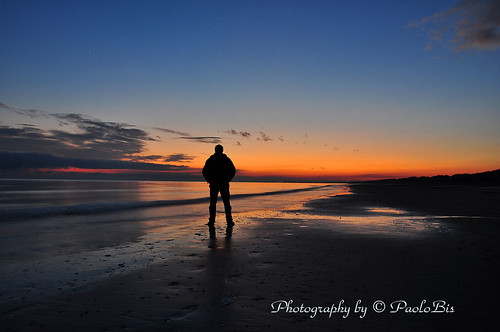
321	90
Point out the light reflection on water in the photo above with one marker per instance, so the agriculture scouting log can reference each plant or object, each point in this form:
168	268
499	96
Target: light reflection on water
385	210
372	225
372	220
31	193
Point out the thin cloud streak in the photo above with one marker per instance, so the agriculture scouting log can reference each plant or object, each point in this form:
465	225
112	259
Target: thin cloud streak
189	137
170	131
178	157
148	158
31	113
202	139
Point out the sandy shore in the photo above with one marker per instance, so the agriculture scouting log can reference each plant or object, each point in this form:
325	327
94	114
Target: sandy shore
337	252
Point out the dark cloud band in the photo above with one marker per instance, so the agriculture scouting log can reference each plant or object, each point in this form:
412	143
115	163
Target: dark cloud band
12	160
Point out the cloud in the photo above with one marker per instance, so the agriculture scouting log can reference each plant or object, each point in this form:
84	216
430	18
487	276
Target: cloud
4	106
106	139
170	131
25	125
245	134
82	142
264	137
29	139
202	139
147	158
189	137
32	113
92	138
15	160
472	24
178	157
231	132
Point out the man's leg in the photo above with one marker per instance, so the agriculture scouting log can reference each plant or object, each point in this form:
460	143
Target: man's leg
224	193
214	192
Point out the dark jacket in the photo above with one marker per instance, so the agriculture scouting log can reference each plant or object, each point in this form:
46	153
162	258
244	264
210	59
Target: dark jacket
219	169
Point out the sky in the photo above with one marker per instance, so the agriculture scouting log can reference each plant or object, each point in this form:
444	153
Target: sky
303	90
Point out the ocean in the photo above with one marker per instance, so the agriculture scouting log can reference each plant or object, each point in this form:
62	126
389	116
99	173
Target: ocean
28	199
63	235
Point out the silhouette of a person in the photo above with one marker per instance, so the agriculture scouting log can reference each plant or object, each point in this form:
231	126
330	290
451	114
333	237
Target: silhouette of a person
219	171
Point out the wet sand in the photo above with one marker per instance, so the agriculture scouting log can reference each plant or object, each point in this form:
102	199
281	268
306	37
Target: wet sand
445	200
369	246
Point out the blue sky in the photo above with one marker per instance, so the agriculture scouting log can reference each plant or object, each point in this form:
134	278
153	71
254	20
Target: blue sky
105	50
341	73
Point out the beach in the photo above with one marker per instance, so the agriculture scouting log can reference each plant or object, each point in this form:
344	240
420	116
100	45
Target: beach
345	258
249	166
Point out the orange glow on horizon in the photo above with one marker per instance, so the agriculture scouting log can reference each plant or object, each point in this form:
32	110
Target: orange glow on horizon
354	172
342	154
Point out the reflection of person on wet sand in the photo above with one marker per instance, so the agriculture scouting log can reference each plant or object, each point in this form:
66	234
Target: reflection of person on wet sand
219	171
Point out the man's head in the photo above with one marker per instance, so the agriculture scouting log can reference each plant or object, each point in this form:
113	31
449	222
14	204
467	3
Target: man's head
219	148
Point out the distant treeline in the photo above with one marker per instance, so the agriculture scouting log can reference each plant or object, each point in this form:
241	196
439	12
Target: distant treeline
490	177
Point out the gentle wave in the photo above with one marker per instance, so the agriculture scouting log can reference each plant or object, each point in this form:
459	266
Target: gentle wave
103	207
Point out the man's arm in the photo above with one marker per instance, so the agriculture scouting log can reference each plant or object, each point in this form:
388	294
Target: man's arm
206	172
231	170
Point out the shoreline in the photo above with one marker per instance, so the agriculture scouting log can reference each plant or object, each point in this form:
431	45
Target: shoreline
229	283
419	199
435	199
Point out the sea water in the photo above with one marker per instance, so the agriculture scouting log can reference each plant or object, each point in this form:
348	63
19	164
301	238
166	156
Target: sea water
62	235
